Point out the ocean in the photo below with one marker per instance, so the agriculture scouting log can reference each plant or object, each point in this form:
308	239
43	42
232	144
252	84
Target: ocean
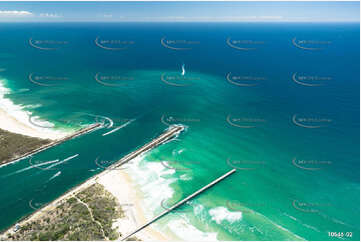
277	101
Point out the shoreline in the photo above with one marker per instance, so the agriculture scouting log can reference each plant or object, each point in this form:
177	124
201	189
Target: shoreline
12	123
121	186
135	213
14	119
85	130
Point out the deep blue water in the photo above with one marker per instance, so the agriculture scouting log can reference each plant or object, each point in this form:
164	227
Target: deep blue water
260	61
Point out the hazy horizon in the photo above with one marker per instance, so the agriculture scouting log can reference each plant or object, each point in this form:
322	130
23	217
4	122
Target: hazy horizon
179	11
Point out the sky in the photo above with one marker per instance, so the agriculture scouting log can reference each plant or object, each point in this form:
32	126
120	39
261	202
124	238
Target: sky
179	11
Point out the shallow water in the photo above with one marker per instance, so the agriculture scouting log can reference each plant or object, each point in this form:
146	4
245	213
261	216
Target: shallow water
295	144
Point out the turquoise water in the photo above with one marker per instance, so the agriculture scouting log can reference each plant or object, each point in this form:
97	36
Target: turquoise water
294	142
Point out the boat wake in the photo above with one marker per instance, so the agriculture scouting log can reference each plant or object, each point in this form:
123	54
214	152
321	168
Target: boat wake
40	165
33	166
118	128
105	121
61	162
55	175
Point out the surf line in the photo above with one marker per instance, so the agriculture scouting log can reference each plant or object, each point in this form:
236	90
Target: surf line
180	203
171	132
85	130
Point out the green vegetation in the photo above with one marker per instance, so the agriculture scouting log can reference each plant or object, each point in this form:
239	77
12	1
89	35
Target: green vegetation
88	215
14	145
103	207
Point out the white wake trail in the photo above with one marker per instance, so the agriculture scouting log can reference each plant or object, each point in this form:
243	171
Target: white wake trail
118	128
61	162
55	175
33	166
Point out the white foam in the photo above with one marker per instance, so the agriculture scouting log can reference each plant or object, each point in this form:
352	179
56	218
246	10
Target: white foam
22	90
186	231
155	188
220	214
33	106
148	175
185	177
16	120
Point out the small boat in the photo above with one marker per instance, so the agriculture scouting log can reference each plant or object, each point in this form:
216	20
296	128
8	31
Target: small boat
183	70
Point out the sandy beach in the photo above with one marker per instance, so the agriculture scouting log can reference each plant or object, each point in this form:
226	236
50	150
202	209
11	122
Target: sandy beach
16	120
12	124
119	184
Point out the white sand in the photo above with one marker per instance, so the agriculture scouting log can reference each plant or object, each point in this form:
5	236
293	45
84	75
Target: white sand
119	184
16	120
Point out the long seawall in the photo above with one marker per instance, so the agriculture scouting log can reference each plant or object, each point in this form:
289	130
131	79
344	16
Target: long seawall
164	137
180	203
86	130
